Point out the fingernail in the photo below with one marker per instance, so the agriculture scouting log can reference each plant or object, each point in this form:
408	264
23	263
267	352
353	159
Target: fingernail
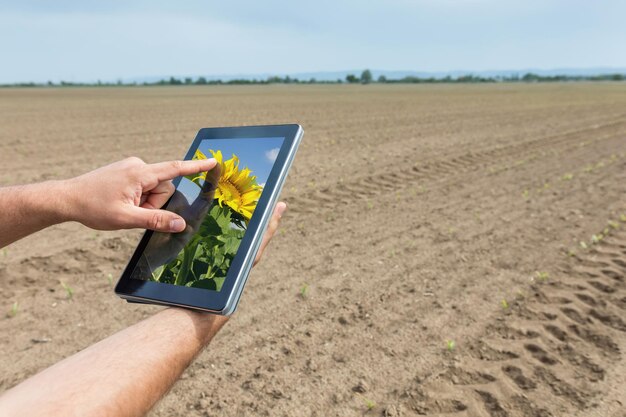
281	209
177	225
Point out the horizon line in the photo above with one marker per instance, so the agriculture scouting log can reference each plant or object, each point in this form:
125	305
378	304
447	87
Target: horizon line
553	71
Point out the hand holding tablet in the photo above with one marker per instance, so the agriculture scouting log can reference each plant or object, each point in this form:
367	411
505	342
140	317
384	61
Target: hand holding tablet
226	211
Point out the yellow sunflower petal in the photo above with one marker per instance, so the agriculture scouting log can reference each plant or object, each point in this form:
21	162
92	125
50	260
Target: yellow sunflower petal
237	188
198	155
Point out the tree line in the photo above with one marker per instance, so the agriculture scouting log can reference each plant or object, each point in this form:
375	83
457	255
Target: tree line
365	78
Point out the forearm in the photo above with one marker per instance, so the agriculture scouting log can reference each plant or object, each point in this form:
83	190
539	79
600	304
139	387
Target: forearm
123	375
26	209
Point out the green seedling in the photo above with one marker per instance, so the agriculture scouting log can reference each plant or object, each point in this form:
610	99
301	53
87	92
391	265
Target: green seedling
450	345
370	404
613	224
542	276
304	290
588	168
5	252
583	245
571	253
526	194
68	290
110	279
567	177
14	308
622	218
596	238
370	205
504	304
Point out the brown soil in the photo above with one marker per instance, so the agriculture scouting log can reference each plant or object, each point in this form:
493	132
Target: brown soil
418	215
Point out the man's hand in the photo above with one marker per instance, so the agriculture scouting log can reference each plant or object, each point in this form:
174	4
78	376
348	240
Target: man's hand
129	194
271	229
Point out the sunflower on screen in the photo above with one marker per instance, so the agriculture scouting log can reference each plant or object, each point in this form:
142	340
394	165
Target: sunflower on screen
237	188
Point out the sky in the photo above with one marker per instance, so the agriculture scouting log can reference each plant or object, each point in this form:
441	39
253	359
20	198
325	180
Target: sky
87	40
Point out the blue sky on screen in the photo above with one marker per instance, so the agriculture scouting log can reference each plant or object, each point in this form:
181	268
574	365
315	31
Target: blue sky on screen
82	40
257	154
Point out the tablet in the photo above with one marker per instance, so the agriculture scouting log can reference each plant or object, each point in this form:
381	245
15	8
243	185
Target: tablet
227	210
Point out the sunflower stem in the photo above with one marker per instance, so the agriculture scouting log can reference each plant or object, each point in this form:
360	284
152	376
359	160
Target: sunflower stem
183	272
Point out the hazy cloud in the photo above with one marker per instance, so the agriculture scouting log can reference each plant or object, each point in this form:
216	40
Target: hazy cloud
272	154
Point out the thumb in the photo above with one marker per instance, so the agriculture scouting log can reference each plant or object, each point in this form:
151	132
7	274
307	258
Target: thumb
158	220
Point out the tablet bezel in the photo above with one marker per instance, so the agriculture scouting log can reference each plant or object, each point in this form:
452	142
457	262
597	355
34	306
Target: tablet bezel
199	298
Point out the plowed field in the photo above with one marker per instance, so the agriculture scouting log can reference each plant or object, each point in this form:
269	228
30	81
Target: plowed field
448	250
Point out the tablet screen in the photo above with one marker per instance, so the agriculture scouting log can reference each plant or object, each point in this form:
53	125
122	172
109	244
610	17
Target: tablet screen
217	206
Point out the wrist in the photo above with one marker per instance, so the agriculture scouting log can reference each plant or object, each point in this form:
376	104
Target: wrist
206	325
61	205
210	324
46	202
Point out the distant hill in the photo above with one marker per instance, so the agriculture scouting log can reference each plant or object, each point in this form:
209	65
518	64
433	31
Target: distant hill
334	75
